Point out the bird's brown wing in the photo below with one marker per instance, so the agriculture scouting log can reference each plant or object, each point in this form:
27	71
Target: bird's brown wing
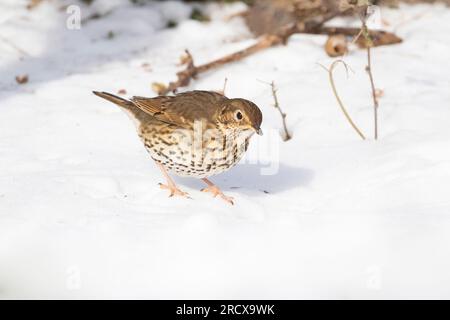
182	109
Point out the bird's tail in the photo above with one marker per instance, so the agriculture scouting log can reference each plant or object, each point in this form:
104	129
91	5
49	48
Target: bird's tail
115	99
136	115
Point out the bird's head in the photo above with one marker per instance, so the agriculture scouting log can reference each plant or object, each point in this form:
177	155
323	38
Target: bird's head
241	114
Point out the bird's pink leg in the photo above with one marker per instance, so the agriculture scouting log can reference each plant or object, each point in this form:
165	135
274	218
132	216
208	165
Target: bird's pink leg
216	191
171	186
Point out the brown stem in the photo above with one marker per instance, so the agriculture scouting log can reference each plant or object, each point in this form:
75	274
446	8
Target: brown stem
14	46
341	104
265	42
287	136
184	77
372	83
191	71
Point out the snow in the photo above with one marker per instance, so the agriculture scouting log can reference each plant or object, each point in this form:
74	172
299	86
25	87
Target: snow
325	215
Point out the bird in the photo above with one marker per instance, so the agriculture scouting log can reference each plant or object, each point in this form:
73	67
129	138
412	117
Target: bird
192	134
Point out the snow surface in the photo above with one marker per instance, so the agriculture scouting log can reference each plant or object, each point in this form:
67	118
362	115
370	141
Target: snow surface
325	215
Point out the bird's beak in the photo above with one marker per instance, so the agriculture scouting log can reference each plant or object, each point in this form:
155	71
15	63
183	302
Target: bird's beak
259	131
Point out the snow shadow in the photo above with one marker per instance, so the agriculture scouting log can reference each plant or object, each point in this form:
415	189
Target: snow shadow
248	177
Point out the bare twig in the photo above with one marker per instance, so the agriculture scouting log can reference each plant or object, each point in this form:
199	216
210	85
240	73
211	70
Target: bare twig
222	91
14	46
341	104
95	16
287	136
265	42
374	92
184	76
225	82
369	43
191	71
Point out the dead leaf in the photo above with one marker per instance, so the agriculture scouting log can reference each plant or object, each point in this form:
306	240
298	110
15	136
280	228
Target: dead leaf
158	87
22	79
146	66
380	38
33	4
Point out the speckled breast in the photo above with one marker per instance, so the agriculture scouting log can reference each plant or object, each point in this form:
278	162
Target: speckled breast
191	154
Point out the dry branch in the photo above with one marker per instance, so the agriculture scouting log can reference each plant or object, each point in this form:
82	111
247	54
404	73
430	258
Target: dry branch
276	104
374	92
14	46
184	76
341	104
369	43
313	27
191	71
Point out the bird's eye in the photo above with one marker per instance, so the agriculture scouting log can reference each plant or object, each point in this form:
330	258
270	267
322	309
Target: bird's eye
239	115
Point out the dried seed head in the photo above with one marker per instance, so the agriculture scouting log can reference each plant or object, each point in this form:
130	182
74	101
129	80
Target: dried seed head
336	45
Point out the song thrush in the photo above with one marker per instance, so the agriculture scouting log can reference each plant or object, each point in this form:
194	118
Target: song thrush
194	134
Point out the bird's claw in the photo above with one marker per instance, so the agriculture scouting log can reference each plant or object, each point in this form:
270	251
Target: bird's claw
174	191
217	192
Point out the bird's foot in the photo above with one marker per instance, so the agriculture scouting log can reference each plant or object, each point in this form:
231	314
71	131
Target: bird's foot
174	191
217	192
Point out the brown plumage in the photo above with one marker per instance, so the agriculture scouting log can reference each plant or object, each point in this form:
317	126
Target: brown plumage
194	134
